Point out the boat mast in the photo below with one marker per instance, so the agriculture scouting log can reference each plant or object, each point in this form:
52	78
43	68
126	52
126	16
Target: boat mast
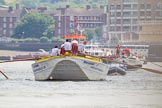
75	24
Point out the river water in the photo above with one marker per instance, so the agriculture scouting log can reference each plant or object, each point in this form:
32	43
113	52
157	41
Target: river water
137	89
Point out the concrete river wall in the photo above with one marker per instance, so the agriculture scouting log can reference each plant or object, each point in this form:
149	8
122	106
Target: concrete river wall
155	53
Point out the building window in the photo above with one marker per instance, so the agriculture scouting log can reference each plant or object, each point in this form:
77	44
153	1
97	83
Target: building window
11	25
59	24
134	21
112	28
148	6
159	6
118	14
126	6
135	6
142	6
118	28
11	20
142	13
118	21
130	0
11	32
134	28
135	13
127	14
90	25
126	28
4	31
148	13
159	13
118	6
126	21
4	19
87	17
59	18
112	21
1	19
4	25
59	31
112	7
14	19
112	14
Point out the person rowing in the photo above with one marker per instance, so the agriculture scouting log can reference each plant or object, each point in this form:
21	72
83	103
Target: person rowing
74	45
67	47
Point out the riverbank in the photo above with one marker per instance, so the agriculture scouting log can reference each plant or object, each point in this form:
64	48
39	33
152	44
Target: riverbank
13	53
10	54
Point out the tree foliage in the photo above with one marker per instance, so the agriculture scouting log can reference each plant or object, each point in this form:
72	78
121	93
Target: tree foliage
93	33
2	2
30	3
49	32
33	25
57	3
114	40
89	33
98	31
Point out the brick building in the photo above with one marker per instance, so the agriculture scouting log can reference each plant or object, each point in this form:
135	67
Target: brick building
86	18
64	18
8	19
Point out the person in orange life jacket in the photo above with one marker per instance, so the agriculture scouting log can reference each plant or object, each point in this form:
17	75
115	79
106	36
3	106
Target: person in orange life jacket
62	51
55	51
117	50
127	51
74	45
67	46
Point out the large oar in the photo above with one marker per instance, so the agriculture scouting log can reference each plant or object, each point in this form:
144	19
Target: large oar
149	61
25	59
154	63
4	74
147	69
110	60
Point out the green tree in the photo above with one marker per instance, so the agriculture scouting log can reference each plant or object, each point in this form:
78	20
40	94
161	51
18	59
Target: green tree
114	40
98	31
49	32
2	2
30	3
44	39
33	25
89	33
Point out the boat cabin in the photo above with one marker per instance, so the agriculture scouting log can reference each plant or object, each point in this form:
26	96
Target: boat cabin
78	37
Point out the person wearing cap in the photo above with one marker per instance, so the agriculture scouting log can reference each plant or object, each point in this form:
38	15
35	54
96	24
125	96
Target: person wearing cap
55	51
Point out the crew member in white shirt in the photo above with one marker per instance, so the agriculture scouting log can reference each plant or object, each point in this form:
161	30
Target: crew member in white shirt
55	51
81	46
67	46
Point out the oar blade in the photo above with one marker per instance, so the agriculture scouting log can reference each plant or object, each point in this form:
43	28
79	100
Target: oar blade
152	70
